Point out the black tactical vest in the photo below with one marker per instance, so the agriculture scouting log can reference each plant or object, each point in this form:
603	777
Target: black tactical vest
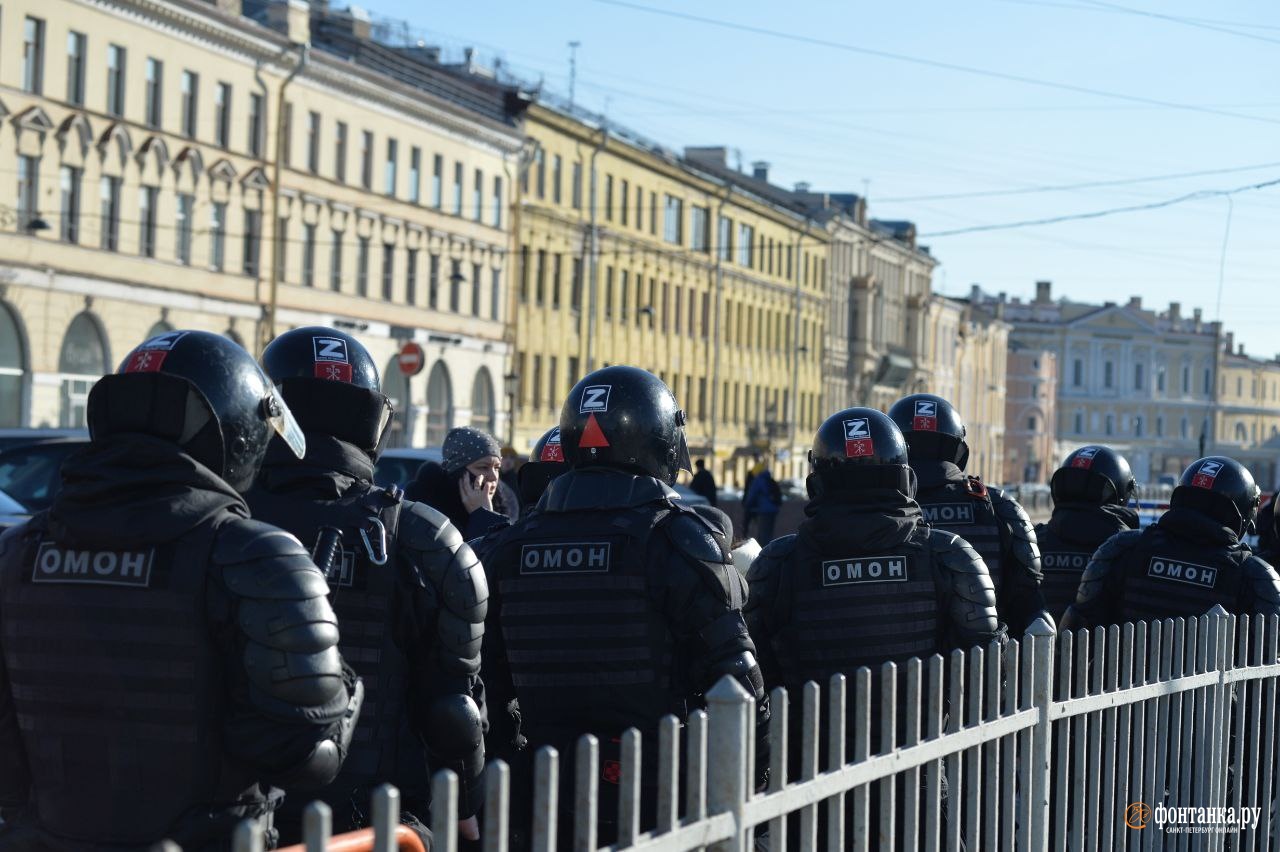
1063	563
1167	577
117	687
587	649
859	609
363	595
964	509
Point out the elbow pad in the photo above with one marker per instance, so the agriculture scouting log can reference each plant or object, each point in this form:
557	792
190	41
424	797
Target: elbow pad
321	767
744	669
454	727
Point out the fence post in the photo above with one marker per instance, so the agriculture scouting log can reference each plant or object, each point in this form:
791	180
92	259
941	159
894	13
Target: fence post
247	837
386	816
1042	640
317	826
729	707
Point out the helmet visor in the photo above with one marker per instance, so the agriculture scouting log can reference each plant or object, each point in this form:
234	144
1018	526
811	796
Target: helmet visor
685	463
281	419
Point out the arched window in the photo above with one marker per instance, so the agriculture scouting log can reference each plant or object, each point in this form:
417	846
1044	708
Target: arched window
395	385
1242	434
13	363
439	404
82	362
482	401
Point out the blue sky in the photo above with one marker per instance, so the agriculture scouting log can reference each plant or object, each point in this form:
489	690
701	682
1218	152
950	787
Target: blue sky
840	118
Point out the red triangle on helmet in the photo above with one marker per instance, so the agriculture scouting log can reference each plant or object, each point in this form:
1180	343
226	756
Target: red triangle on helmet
592	435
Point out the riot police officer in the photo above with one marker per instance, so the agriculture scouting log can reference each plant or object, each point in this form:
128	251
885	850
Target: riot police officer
1187	562
1090	495
613	605
409	594
865	580
545	463
982	515
1269	533
164	657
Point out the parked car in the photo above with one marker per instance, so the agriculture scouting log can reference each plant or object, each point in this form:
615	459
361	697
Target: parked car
689	498
17	437
31	473
11	512
399	465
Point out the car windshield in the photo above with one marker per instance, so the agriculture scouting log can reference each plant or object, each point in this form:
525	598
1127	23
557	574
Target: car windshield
10	506
31	474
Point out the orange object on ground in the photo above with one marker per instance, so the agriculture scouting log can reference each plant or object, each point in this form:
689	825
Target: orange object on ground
362	841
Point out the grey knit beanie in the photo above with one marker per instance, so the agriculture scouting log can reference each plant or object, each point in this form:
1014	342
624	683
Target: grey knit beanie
463	445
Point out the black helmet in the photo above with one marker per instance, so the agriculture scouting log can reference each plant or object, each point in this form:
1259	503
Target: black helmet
624	417
859	448
331	385
203	392
1268	526
932	427
545	463
1093	474
1221	488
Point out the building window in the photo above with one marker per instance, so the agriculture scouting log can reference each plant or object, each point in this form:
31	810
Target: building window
1239	386
1160	427
477	197
340	152
190	103
155	92
433	283
576	195
366	159
1077	372
415	175
455	285
537	382
608	197
457	189
222	115
1110	424
575	285
70	179
389	173
77	47
540	172
495	295
335	261
673	222
308	255
476	271
557	178
1108	374
746	245
653	213
33	56
1186	378
257	124
279	248
498	202
28	190
1079	424
624	203
411	277
116	57
724	238
699	235
186	209
1208	381
437	182
286	136
1186	429
388	270
217	235
313	142
1160	379
1137	377
252	241
608	292
1137	426
555	281
362	267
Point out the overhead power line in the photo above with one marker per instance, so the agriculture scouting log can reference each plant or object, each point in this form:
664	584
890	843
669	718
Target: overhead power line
1176	19
1098	214
934	63
1064	187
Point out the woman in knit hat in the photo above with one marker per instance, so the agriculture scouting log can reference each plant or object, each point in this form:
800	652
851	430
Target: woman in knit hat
463	485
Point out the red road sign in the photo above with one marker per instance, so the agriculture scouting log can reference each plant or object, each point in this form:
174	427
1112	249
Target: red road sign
411	359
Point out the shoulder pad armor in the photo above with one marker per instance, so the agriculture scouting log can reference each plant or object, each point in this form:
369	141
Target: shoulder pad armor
263	562
426	529
956	554
695	536
1116	546
1010	511
775	553
1265	584
297	626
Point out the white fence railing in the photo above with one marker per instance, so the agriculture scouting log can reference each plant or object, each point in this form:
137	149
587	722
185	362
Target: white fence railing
1096	740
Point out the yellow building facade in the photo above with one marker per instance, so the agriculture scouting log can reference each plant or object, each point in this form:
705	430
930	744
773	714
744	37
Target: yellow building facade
139	142
1248	413
712	279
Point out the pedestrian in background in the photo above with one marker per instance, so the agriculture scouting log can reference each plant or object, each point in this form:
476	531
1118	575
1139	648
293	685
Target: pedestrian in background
703	482
746	489
764	501
465	483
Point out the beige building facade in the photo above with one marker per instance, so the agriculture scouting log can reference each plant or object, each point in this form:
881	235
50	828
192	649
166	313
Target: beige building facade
1248	412
711	279
1031	415
142	137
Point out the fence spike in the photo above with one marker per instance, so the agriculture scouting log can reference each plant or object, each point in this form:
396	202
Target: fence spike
668	773
888	741
861	721
586	792
696	771
497	806
629	789
248	837
317	826
779	740
444	811
809	765
836	716
546	799
730	710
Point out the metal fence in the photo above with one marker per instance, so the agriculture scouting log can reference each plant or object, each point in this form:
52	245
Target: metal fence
1136	737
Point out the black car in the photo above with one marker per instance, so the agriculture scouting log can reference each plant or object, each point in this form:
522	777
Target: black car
11	512
30	473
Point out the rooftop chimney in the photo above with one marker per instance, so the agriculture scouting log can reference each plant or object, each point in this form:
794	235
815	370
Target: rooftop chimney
1043	292
1198	315
1240	350
760	170
293	18
1135	302
1229	341
1175	311
975	293
708	155
802	186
